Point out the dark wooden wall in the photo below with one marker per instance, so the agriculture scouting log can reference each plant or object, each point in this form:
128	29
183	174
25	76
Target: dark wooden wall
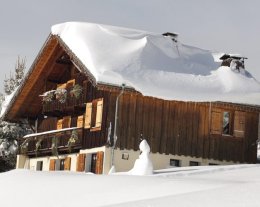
170	127
182	128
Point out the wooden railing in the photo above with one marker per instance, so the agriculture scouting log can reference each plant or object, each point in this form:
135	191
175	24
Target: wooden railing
46	144
71	101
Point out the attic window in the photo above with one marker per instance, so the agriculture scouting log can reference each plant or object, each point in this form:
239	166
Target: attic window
64	59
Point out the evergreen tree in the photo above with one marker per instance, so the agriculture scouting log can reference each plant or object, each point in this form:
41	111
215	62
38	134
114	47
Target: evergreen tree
19	71
7	86
11	132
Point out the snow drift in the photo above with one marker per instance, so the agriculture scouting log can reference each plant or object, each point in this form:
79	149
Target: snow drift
155	65
191	186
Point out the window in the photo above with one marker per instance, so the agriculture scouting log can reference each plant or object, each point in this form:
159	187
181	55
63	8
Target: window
93	115
193	163
226	126
213	164
175	163
125	156
59	164
228	123
39	165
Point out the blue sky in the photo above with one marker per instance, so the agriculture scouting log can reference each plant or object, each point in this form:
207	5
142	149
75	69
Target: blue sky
227	26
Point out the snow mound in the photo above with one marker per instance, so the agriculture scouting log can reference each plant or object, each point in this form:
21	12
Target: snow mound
191	186
155	65
143	165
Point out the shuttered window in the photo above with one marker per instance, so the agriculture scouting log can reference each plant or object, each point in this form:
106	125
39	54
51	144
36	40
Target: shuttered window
80	122
70	83
88	113
226	123
239	124
99	162
66	122
62	86
81	163
59	124
67	163
52	165
93	116
216	121
99	113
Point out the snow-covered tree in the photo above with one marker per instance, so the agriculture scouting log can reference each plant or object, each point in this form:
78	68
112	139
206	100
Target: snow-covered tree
14	81
7	86
19	71
11	132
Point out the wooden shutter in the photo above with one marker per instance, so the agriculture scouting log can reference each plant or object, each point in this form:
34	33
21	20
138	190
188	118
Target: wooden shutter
99	113
81	162
59	124
62	86
70	83
80	121
67	163
52	165
99	162
66	122
88	113
216	121
239	124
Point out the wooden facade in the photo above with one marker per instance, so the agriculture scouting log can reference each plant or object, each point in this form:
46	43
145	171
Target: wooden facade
210	130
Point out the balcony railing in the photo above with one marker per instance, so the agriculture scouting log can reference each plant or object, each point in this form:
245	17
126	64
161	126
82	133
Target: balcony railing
70	102
43	143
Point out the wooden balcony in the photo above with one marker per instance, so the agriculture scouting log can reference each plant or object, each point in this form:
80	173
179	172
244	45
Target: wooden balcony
46	144
70	103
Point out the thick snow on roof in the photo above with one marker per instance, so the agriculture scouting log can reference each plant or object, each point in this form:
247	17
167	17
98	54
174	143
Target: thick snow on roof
155	65
6	102
225	186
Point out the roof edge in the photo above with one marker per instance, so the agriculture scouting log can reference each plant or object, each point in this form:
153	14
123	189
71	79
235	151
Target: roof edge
4	116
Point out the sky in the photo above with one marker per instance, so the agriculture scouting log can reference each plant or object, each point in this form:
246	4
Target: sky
230	26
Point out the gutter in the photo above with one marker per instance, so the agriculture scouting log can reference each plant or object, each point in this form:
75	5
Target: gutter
115	125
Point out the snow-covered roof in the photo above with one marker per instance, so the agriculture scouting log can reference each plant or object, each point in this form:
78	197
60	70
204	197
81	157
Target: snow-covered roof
155	65
6	103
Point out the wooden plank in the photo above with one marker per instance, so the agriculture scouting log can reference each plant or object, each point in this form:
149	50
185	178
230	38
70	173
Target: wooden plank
161	124
189	122
52	165
67	163
239	124
99	113
151	139
216	121
80	121
170	129
138	120
88	114
177	129
195	129
66	122
99	162
80	163
59	124
131	133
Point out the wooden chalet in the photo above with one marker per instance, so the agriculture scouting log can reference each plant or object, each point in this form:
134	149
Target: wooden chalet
73	119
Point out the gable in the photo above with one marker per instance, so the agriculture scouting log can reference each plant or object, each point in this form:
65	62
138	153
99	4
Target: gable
52	66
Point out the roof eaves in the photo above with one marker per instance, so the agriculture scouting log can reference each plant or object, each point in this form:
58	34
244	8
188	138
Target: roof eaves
4	116
76	61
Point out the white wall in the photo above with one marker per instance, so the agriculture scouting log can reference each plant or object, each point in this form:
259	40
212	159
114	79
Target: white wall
159	161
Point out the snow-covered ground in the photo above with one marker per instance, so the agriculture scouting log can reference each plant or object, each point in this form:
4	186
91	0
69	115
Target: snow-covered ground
236	185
